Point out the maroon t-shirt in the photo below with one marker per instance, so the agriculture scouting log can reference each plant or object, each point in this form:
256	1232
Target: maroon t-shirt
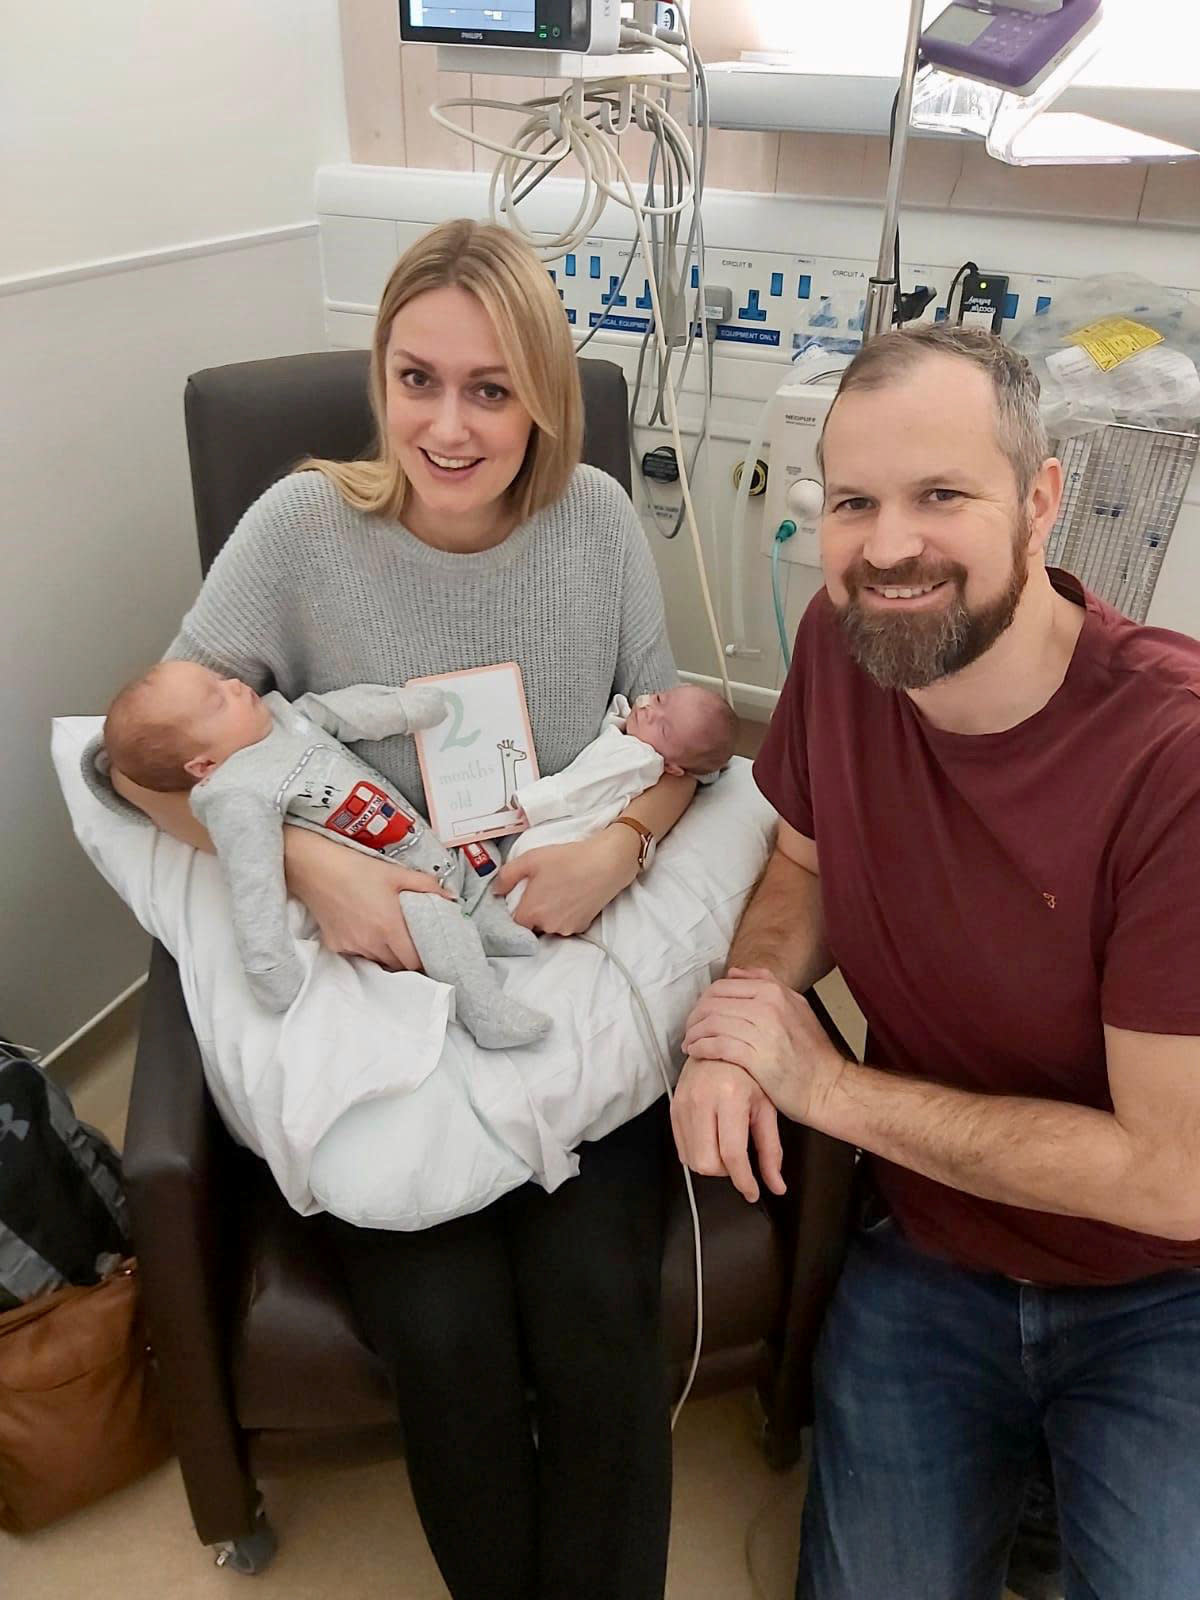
992	900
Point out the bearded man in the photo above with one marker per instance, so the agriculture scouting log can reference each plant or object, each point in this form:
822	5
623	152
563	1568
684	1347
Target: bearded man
988	784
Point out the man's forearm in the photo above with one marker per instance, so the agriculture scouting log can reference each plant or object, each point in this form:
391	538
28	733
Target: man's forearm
783	926
1041	1154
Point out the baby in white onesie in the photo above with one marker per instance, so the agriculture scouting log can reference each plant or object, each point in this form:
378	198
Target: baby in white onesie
685	731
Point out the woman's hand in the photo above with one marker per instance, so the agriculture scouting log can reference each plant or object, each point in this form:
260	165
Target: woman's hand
567	886
716	1112
353	898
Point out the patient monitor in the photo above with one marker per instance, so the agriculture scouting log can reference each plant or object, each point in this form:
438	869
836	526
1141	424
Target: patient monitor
590	27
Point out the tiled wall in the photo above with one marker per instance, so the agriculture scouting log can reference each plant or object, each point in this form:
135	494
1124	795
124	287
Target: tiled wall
389	88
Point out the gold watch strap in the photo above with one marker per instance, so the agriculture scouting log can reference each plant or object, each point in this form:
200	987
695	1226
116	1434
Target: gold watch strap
645	837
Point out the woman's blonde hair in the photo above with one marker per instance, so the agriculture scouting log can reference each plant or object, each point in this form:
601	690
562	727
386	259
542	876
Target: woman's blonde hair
516	291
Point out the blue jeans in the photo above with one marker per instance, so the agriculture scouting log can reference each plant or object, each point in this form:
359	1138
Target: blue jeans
934	1387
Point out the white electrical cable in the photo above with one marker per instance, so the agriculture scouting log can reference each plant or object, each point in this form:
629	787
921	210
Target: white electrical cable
758	435
699	328
676	439
583	121
665	1073
587	134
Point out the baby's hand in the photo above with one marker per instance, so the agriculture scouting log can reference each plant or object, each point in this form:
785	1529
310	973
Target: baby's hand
426	705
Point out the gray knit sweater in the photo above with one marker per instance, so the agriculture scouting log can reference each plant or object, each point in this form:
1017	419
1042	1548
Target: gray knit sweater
309	595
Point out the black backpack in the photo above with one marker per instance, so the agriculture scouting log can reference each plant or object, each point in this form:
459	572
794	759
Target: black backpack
63	1217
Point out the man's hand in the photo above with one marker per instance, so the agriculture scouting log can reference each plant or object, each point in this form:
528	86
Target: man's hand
752	1021
353	898
567	886
716	1111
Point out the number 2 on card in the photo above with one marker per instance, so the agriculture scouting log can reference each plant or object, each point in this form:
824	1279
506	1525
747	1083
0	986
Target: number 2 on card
452	741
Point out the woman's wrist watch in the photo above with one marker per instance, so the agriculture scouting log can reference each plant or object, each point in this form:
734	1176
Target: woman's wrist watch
647	844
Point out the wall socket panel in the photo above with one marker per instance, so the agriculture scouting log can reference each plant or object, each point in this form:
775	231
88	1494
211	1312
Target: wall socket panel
781	304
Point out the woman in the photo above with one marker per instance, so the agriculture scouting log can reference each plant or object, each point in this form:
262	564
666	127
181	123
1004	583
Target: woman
475	536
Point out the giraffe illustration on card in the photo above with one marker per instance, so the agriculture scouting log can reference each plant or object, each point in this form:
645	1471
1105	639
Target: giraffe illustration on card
511	755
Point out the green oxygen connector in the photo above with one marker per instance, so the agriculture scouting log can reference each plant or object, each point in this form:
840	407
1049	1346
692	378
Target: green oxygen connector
785	530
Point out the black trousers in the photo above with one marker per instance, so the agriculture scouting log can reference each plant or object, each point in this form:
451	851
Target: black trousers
558	1294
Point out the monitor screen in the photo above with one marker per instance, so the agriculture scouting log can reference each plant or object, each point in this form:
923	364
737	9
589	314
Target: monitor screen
959	25
516	18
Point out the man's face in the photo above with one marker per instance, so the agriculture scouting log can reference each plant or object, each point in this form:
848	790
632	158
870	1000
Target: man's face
924	545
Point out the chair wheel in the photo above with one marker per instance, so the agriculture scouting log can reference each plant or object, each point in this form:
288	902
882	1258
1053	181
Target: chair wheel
254	1553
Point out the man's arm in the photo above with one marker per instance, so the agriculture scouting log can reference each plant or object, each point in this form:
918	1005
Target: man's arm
718	1109
1137	1166
783	926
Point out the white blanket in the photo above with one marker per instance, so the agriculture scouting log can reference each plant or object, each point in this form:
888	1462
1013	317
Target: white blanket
363	1098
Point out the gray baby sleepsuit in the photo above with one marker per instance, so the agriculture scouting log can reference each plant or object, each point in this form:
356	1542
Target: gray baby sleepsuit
301	771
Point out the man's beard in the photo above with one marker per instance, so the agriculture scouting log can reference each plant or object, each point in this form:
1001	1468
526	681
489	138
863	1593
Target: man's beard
911	650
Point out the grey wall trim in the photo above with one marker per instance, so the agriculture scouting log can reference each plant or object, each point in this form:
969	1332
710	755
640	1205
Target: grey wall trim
54	277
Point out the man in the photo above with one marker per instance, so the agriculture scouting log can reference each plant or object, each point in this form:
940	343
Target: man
988	785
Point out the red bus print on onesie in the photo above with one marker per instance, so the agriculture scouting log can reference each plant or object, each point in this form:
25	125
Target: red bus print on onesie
368	817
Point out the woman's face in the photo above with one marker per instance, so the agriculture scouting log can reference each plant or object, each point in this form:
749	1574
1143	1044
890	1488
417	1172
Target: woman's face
459	431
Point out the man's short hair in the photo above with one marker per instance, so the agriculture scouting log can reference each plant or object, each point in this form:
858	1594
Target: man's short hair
1019	429
142	744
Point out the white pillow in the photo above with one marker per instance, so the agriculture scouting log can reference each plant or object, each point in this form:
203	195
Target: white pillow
362	1098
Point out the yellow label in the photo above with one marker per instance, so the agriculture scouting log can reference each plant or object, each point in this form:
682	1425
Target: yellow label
1113	340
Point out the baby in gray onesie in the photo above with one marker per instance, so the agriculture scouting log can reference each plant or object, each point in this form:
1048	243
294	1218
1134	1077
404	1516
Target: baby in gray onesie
250	762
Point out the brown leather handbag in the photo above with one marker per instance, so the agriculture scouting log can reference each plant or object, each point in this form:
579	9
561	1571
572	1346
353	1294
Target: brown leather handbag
79	1408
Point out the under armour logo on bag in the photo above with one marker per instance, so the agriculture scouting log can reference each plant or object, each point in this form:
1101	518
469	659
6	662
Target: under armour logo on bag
9	1124
1049	899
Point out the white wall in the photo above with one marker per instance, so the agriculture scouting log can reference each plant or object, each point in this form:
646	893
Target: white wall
158	219
135	124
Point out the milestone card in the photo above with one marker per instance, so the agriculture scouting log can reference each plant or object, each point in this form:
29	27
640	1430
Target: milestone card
476	759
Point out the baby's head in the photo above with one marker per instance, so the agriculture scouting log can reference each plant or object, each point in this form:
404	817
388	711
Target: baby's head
171	728
693	729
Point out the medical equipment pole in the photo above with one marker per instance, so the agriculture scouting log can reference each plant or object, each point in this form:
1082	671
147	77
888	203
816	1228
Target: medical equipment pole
883	288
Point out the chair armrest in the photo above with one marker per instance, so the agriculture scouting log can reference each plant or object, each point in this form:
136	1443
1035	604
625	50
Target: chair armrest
816	1214
182	1179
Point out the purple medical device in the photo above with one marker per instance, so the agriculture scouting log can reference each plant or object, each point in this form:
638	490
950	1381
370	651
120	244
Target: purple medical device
1010	44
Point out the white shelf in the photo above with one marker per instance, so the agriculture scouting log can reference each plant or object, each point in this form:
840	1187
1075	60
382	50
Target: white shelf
762	97
515	62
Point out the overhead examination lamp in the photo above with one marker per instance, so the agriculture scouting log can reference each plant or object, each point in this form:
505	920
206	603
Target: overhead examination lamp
990	69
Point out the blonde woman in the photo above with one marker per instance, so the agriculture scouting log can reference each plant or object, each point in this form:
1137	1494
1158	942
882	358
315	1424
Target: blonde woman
474	536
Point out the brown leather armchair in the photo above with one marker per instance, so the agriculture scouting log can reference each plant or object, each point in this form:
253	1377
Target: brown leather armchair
262	1368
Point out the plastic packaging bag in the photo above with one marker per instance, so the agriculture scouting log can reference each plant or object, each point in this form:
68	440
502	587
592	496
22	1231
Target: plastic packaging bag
1158	386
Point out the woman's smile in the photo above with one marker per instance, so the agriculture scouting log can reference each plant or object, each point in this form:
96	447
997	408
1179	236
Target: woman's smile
448	468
